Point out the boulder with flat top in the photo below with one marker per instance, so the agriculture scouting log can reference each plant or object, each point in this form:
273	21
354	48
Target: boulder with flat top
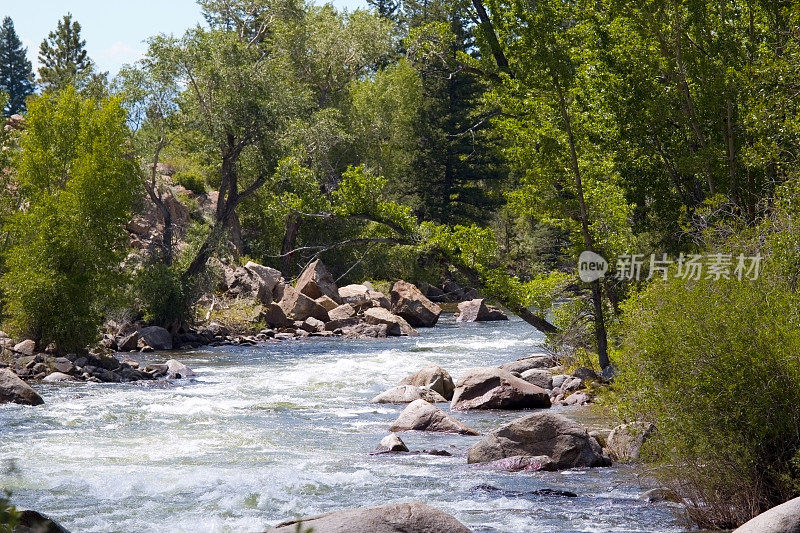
494	388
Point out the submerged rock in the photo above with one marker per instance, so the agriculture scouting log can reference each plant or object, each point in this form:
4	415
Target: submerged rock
413	517
407	394
493	388
14	390
566	442
434	377
423	416
409	302
519	463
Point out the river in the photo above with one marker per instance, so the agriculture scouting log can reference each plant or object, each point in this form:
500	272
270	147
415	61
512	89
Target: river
268	433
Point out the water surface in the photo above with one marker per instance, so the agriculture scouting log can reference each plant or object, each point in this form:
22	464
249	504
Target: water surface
281	430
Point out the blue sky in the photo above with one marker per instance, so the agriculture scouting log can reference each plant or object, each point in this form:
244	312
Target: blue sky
114	31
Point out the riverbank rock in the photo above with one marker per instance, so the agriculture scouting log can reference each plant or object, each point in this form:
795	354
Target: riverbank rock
395	325
539	377
391	443
413	517
247	283
423	416
316	281
155	337
625	442
342	312
298	306
477	311
409	302
526	363
407	394
14	390
58	377
354	294
566	442
493	388
434	377
26	347
783	518
177	370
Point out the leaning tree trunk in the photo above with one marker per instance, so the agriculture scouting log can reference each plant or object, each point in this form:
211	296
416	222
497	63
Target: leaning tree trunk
293	221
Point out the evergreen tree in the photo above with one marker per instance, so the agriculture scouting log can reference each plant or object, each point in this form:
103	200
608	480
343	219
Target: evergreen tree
63	57
16	74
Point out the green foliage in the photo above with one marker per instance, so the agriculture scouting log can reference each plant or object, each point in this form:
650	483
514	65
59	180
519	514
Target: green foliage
16	73
9	516
63	57
714	365
66	248
191	179
160	294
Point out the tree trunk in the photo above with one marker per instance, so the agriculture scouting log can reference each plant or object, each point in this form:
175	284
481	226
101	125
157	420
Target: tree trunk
293	221
597	291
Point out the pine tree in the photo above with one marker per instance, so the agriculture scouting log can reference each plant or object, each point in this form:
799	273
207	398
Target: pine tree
16	73
63	57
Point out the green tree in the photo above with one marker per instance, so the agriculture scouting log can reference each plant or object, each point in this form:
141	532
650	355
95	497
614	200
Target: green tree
16	74
63	57
79	184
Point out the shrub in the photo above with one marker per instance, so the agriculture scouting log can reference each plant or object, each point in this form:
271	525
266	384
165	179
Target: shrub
715	365
160	294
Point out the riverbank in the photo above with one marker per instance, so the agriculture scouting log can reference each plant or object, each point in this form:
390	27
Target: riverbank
264	434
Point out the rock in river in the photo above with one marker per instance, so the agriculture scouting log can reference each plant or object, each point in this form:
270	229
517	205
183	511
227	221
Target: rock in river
477	311
409	302
423	416
391	443
156	337
407	394
784	518
14	390
565	442
493	388
435	377
413	517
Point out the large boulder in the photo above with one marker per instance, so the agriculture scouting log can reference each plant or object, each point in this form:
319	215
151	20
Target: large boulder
298	306
270	277
409	302
434	377
247	283
422	416
407	394
354	294
566	442
624	443
177	370
395	325
783	518
156	338
26	347
14	390
35	522
316	281
477	311
342	312
539	377
493	388
413	517
274	315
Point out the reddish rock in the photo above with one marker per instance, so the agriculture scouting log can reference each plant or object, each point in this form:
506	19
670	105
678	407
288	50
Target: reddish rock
493	388
316	281
409	303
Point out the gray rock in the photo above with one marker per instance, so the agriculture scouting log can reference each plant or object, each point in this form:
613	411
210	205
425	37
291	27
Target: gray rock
477	311
539	377
413	517
327	302
586	374
422	416
434	377
493	388
128	343
342	312
298	306
268	276
391	443
566	442
14	390
526	363
26	347
177	370
407	394
312	325
519	463
316	281
58	377
409	302
156	337
63	365
625	441
783	518
355	294
395	325
274	316
559	380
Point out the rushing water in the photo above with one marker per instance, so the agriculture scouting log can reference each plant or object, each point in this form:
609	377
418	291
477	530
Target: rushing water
285	429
